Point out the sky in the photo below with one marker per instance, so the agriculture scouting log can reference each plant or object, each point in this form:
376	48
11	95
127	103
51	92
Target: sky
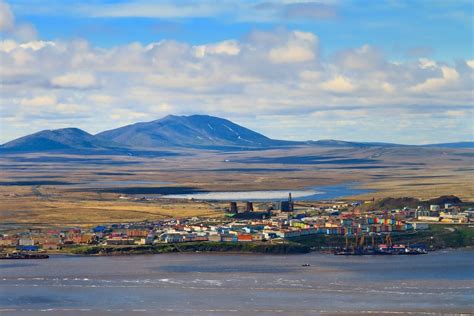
385	71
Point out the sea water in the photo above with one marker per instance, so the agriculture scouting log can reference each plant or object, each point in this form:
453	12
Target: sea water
439	283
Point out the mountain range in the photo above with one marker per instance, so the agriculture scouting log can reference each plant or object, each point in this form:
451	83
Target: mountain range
195	131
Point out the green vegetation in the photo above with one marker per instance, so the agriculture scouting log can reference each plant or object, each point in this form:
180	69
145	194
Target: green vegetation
248	247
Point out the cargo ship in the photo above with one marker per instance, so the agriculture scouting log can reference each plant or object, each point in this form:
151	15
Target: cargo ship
23	255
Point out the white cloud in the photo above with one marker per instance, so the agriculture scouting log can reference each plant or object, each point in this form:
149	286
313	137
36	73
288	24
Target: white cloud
300	47
6	17
308	75
271	74
153	9
80	80
449	75
291	53
102	99
339	84
306	36
360	59
387	87
230	47
458	113
21	32
43	100
427	63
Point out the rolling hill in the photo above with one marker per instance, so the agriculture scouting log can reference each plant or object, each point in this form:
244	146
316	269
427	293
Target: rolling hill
57	140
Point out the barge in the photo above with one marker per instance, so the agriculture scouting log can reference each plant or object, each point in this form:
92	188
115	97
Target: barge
23	255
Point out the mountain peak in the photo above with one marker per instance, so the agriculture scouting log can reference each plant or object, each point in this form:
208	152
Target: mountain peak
197	131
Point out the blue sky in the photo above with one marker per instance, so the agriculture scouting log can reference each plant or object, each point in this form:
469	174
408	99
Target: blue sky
405	68
404	29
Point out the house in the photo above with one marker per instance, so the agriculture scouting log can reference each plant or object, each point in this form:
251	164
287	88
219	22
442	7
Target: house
173	237
244	237
51	245
8	242
119	241
229	238
26	241
214	238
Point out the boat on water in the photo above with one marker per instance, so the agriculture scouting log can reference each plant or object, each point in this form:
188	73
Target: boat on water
23	255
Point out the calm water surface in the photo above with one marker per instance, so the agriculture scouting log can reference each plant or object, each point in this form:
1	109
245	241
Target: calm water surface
311	194
210	284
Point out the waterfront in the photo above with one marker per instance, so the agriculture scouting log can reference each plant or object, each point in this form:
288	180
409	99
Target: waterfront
441	282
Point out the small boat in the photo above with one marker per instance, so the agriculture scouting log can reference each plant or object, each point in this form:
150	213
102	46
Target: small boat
306	265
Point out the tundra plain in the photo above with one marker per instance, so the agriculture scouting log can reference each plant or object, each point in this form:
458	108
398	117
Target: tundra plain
42	190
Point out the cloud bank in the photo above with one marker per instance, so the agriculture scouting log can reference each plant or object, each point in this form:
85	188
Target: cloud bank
274	81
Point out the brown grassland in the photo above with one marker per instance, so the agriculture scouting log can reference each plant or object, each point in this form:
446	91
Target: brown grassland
54	189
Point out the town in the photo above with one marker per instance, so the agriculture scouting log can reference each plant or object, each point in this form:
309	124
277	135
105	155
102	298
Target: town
280	221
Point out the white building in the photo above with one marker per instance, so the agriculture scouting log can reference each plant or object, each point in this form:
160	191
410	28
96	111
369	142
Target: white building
26	241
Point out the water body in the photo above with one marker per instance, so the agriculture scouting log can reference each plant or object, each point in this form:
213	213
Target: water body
439	283
310	194
119	183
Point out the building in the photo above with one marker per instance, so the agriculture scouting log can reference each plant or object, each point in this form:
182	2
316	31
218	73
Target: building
249	207
244	237
173	237
233	208
26	241
120	241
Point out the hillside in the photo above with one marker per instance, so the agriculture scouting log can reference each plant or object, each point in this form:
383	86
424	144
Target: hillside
394	203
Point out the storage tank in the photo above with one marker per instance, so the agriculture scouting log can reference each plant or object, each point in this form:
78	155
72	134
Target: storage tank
249	207
233	208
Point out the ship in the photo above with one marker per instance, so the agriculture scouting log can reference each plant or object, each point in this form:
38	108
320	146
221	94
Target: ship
23	255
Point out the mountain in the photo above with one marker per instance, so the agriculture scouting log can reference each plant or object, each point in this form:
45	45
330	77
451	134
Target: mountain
453	145
343	143
64	139
194	131
197	131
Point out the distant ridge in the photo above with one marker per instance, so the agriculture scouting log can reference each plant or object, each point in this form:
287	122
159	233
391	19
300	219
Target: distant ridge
453	145
194	131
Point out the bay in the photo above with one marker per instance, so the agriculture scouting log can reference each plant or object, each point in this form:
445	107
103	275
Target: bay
440	283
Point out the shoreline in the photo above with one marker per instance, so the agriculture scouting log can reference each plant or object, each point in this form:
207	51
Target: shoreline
213	253
192	248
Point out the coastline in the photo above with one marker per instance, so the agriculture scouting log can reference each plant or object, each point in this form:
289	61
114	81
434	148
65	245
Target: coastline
193	247
434	239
